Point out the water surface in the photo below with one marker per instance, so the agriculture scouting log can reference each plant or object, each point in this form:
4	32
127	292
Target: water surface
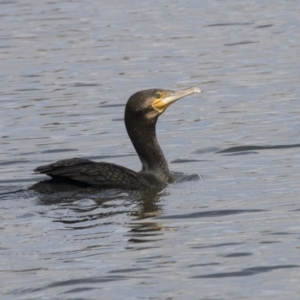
232	230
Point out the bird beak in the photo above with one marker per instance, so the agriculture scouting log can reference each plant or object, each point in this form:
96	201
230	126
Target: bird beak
163	103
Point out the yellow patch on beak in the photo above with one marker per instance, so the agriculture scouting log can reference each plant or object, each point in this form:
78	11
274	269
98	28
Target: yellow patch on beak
160	103
164	99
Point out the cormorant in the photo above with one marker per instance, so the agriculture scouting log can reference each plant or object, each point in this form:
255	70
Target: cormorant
141	113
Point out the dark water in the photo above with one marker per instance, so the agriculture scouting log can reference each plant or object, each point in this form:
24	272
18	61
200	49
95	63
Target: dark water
67	69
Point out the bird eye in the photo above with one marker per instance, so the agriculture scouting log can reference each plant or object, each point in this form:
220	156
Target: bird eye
157	95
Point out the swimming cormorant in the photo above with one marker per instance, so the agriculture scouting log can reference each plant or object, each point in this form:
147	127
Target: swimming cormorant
141	113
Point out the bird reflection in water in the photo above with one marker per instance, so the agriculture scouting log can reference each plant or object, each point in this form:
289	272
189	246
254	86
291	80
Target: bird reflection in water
82	210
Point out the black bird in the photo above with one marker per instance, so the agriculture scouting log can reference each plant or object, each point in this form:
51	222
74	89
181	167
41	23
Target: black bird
141	113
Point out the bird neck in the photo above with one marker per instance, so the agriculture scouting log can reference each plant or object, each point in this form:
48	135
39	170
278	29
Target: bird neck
143	138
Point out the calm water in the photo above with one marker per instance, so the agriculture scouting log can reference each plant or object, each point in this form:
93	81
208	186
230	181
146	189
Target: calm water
67	69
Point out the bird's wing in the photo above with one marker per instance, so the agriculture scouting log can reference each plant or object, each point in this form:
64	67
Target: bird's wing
99	174
61	164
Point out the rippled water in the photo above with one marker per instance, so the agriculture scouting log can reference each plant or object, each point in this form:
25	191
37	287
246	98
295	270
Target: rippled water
67	69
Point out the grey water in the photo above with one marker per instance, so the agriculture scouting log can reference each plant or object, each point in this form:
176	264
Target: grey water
229	226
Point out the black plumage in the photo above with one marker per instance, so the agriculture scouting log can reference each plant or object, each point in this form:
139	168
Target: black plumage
141	114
